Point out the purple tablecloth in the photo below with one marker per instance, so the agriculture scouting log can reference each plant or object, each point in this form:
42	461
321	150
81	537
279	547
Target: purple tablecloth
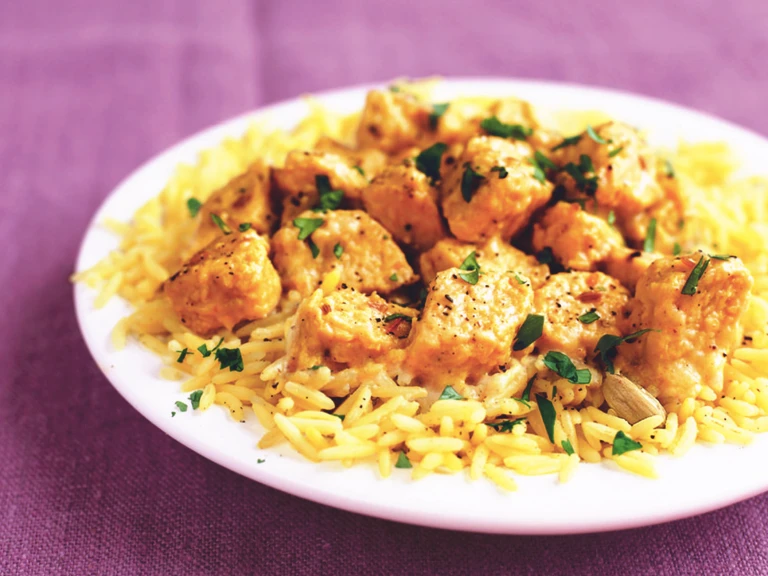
91	88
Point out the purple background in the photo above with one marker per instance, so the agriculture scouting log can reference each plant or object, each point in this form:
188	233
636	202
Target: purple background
89	89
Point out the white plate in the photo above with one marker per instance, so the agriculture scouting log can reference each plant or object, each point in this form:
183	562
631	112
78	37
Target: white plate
599	497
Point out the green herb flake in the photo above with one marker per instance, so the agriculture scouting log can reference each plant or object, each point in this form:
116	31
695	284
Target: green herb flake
505	426
589	317
313	248
611	217
540	164
563	366
398	316
669	170
316	367
615	151
230	358
203	349
437	111
221	224
428	161
340	416
470	182
545	255
306	227
526	396
194	399
181	406
393	277
194	205
548	415
525	402
260	461
520	280
568	447
529	332
503	173
595	136
577	172
692	283
402	461
650	236
173	414
338	250
471	268
496	127
329	199
721	256
244	226
182	355
449	393
623	443
606	346
570	141
359	169
676	249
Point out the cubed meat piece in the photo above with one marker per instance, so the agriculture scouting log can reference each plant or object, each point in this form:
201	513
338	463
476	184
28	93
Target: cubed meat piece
578	240
244	199
491	255
578	308
466	330
230	280
298	182
370	160
492	190
369	258
392	121
345	328
693	334
405	203
624	168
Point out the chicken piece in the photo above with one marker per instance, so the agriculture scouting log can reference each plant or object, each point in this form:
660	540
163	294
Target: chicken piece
628	266
368	257
624	166
578	240
297	180
244	199
565	298
370	160
693	335
492	255
405	203
492	190
391	121
345	328
466	330
230	280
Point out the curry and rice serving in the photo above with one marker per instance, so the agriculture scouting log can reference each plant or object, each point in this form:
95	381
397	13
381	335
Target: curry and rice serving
441	286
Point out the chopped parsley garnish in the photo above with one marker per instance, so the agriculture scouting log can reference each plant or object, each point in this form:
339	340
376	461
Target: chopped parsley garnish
669	170
615	151
545	255
204	349
567	446
393	277
611	217
244	226
230	358
181	406
526	397
577	172
623	443
316	367
721	256
437	111
529	332
338	250
260	460
194	205
329	199
394	88
589	317
606	346
471	268
403	462
540	164
221	224
449	393
398	316
689	289
570	141
548	415
306	227
182	355
428	161
194	399
595	136
676	249
359	169
562	365
650	236
503	173
505	425
519	279
470	182
496	127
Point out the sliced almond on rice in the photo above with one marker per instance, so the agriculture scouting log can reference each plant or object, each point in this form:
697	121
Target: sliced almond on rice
630	401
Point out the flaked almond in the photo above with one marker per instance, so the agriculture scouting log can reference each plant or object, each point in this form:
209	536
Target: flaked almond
630	401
